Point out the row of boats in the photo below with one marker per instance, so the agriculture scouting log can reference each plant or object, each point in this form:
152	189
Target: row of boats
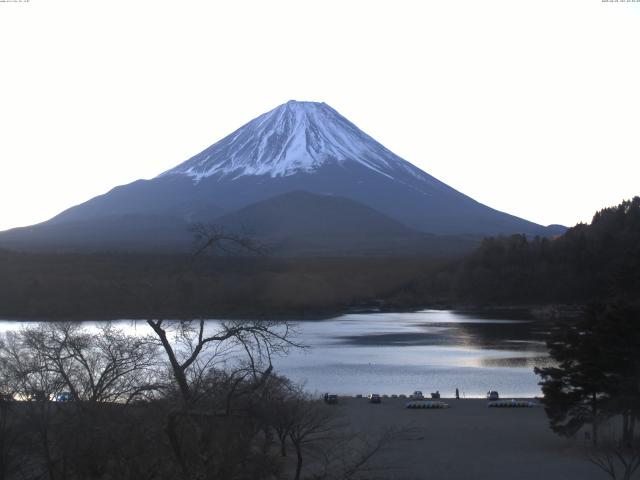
418	401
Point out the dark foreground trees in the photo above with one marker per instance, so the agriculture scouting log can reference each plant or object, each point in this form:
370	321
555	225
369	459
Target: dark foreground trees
81	403
576	389
597	375
618	461
596	382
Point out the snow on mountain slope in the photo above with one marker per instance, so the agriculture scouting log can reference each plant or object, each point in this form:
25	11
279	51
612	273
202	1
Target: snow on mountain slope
296	137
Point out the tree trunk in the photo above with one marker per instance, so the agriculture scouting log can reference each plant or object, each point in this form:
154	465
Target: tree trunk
4	447
178	371
268	440
47	456
174	441
594	420
299	462
44	438
625	428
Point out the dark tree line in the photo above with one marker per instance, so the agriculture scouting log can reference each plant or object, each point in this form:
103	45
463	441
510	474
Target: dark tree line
596	261
593	261
111	285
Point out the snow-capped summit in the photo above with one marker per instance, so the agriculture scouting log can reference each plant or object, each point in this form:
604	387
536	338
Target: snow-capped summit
296	137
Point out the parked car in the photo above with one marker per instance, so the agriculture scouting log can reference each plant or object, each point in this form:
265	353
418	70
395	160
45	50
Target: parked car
417	395
63	397
374	398
331	398
492	395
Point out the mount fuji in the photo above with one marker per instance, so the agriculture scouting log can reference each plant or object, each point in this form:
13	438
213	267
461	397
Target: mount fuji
301	177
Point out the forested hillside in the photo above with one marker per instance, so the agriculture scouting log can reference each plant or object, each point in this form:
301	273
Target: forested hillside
597	261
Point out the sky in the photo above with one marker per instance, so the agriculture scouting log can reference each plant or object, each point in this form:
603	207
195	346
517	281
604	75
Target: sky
530	107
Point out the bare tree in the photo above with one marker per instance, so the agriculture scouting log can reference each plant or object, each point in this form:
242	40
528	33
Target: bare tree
324	443
28	372
106	365
274	406
63	361
226	360
216	239
351	455
312	422
619	460
192	349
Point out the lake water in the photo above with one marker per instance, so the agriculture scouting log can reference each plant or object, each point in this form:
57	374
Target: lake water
394	353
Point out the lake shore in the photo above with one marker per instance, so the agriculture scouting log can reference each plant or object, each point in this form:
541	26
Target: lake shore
466	441
536	312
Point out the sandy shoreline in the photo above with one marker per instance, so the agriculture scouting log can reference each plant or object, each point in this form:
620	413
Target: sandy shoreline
467	441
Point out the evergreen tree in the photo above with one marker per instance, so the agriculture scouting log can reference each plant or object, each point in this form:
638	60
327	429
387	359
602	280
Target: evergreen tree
597	372
618	327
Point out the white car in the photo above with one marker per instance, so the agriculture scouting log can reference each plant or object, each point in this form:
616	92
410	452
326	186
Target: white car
417	395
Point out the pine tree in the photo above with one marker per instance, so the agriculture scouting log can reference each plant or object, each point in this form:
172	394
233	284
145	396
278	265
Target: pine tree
597	371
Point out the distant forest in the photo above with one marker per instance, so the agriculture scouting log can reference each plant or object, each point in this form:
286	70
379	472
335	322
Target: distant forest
120	285
598	261
589	262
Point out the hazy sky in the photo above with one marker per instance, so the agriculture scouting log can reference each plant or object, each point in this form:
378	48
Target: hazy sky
531	107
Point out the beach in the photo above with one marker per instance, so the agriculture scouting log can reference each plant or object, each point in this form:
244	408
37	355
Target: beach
468	441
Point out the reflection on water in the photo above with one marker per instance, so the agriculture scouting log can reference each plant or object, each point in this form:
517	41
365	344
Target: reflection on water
429	350
524	362
401	352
